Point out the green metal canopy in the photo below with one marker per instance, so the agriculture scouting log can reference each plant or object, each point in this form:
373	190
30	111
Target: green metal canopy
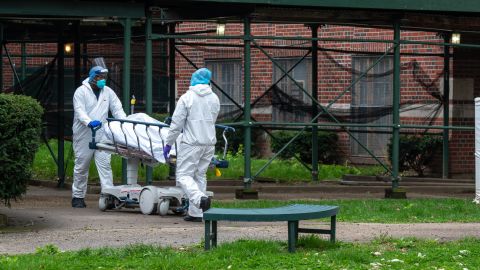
467	6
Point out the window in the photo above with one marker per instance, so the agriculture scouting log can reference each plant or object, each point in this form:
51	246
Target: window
295	105
228	75
371	104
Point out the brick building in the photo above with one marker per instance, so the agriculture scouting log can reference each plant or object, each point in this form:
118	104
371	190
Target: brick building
339	64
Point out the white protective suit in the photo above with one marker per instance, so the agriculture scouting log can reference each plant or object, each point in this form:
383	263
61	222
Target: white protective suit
196	113
87	108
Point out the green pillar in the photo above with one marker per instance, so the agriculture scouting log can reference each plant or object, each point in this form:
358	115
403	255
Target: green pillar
127	39
314	104
446	106
77	56
171	84
247	111
60	109
396	106
171	72
148	78
23	68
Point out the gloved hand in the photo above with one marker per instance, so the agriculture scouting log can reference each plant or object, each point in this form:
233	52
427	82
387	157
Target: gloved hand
94	123
166	151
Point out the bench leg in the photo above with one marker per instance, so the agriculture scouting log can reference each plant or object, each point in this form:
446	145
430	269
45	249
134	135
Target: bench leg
214	233
296	231
207	235
292	233
333	225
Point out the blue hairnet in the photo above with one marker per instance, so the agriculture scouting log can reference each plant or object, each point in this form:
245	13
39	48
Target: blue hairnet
96	70
201	76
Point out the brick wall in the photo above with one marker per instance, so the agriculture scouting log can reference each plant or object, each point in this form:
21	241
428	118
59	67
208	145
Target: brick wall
421	76
466	86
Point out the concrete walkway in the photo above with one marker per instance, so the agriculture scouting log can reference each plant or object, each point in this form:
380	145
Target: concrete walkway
45	217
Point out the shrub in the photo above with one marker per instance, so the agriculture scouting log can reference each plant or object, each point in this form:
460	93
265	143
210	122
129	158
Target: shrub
160	117
416	152
20	128
327	146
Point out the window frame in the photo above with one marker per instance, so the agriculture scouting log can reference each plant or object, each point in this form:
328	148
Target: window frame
227	106
376	142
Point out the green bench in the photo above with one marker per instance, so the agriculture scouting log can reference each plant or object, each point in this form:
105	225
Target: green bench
291	213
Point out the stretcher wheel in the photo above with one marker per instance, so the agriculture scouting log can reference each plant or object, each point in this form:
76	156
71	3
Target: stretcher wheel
148	200
163	207
104	203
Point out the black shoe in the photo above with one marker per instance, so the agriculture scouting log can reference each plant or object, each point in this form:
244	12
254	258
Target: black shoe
192	219
205	203
78	203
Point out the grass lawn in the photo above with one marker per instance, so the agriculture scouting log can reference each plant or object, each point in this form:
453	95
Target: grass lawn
282	170
382	210
313	253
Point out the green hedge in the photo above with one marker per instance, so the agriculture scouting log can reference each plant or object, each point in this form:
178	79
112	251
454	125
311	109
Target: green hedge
327	146
20	128
416	152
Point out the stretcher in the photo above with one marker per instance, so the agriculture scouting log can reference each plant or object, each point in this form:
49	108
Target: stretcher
144	147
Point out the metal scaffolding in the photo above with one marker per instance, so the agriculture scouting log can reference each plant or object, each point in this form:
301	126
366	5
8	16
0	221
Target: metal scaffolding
148	12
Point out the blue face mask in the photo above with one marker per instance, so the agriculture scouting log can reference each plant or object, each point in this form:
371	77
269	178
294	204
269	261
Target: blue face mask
101	83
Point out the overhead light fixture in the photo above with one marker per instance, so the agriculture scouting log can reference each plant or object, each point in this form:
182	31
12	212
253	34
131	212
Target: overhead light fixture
68	48
220	29
455	38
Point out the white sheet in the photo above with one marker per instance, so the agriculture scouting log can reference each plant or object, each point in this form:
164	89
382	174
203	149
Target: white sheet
140	131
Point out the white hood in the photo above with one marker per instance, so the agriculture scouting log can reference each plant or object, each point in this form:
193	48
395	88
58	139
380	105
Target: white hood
195	114
201	89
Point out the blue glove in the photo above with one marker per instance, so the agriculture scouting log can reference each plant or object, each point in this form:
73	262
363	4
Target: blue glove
94	123
166	151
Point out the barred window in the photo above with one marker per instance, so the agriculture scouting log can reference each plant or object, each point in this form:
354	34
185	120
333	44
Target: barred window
292	104
227	73
371	104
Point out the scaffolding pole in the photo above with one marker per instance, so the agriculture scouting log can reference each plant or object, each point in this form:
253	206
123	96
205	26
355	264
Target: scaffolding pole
77	55
396	106
446	107
171	85
171	71
127	39
314	29
60	109
247	38
148	79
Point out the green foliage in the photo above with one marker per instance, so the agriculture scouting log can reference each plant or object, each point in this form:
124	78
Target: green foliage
48	249
159	116
388	253
20	128
327	146
280	170
416	152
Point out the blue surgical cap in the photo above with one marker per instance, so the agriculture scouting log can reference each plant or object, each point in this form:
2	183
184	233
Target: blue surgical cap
96	70
201	76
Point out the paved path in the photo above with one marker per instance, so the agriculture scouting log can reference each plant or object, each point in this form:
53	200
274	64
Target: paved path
39	220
